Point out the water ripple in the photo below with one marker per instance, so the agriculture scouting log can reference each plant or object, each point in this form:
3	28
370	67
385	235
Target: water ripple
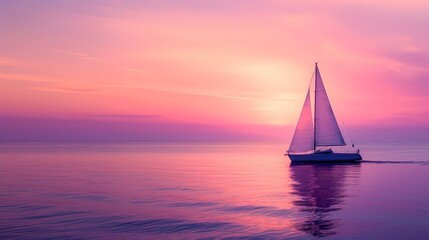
234	209
169	226
55	214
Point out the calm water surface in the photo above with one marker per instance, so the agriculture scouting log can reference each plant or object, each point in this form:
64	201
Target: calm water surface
208	191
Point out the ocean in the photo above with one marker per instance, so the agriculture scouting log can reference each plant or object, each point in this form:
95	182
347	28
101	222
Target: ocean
209	191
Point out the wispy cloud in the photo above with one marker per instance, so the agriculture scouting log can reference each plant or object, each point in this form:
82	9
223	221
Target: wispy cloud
124	116
48	85
24	77
279	98
183	92
77	54
67	90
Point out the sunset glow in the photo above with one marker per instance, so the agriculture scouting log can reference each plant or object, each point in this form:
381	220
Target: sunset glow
229	64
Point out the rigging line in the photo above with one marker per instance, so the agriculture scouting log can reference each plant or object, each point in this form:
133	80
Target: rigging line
345	127
348	134
313	76
311	81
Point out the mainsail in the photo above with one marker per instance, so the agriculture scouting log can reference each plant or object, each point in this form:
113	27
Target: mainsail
327	132
303	138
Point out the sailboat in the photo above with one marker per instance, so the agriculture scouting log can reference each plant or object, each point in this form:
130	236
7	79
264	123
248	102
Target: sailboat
314	137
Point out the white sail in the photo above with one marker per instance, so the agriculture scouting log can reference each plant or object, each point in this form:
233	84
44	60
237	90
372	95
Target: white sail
303	138
327	131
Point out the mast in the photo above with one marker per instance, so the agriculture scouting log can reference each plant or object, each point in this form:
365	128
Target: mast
315	108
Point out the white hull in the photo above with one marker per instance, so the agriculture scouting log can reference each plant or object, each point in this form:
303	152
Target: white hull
325	157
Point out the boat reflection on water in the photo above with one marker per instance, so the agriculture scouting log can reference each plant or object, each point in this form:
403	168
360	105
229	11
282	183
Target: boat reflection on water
320	190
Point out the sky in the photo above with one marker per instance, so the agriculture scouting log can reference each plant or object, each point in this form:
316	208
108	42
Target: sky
210	70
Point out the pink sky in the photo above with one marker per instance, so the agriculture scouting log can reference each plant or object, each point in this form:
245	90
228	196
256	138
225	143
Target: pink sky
228	64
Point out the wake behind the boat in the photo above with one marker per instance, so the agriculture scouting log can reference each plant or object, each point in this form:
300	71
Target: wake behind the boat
395	162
